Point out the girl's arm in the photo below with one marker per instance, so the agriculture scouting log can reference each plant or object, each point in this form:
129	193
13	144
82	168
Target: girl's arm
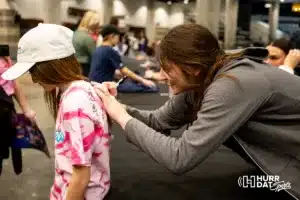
79	182
22	101
77	112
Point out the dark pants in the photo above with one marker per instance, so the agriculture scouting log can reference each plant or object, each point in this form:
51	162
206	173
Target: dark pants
8	134
131	86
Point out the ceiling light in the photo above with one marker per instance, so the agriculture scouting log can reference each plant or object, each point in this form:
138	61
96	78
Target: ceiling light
186	1
169	2
268	5
282	0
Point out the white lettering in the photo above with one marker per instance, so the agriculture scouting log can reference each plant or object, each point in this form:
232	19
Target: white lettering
268	181
259	184
265	185
260	178
271	178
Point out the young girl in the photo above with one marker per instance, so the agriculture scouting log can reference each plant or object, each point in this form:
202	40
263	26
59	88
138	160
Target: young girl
11	88
8	90
81	133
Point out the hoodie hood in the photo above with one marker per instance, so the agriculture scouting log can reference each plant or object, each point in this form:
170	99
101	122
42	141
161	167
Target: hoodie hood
256	54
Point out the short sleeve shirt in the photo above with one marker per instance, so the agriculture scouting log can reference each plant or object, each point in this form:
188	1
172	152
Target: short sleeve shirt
81	138
105	61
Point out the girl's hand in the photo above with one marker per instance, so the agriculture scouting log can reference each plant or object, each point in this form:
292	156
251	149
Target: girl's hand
30	114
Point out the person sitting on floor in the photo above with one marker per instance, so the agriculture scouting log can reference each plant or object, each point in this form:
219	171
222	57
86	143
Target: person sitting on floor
106	60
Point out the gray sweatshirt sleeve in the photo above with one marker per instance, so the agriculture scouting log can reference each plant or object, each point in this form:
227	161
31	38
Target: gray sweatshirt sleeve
171	116
227	105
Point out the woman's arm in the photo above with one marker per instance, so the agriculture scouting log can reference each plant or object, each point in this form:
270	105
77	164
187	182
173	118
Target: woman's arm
90	45
226	107
171	116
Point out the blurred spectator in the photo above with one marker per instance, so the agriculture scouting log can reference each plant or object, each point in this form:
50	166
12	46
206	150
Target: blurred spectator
113	21
8	90
121	47
282	55
143	41
295	41
278	50
106	60
295	38
84	39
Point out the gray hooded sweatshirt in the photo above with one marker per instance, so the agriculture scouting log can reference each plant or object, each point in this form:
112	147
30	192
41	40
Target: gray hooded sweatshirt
258	115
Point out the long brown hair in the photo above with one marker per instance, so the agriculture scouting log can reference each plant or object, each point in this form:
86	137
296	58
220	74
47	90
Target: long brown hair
56	72
193	47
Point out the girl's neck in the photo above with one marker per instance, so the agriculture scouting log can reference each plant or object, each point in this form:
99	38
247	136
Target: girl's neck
64	87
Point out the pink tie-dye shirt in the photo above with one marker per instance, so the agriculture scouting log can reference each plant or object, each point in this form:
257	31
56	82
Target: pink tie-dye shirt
81	138
8	86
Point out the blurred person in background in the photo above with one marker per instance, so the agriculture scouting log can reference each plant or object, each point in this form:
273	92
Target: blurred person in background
84	39
282	55
8	90
143	41
295	41
295	38
113	21
106	60
121	47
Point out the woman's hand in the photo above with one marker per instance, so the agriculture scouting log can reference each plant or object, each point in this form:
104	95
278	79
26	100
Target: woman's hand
292	59
148	83
111	87
114	109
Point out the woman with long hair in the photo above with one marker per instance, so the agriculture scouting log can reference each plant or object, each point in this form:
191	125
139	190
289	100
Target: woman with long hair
84	39
81	132
231	99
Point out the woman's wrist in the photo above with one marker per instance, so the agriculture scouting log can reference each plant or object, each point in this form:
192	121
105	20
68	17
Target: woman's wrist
123	119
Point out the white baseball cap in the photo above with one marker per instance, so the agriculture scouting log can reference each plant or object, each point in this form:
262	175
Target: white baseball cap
42	43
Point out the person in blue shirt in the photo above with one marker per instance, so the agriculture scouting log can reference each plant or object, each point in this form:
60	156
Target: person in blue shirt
106	60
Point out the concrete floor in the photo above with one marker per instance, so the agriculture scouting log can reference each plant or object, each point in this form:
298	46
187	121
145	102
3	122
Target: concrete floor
134	174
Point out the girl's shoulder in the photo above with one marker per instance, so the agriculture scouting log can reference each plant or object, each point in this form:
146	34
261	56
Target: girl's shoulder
5	62
80	92
82	97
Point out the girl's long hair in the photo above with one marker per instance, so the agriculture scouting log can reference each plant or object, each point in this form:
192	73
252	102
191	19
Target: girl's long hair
56	72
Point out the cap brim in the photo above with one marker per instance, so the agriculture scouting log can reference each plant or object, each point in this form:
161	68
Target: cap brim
16	71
